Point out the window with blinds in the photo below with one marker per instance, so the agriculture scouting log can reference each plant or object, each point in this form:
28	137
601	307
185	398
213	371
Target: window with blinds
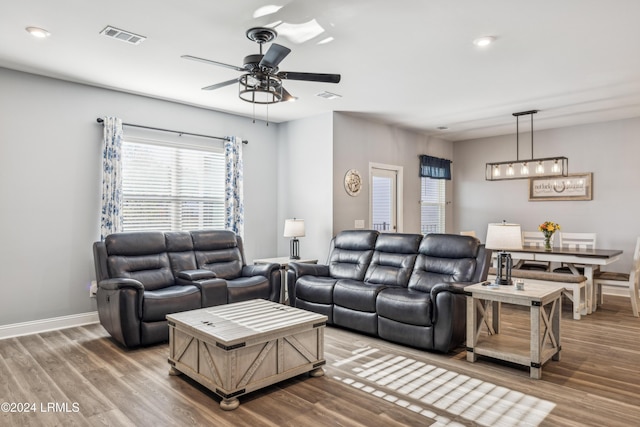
432	206
171	188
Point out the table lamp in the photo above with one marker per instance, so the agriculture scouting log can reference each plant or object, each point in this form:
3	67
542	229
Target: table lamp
294	228
504	237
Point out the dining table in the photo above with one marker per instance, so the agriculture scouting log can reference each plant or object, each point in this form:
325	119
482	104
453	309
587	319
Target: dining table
589	259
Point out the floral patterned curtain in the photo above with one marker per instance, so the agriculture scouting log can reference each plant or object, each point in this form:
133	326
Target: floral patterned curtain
234	193
111	217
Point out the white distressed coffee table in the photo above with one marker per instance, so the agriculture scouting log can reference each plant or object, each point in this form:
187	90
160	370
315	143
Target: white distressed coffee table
238	348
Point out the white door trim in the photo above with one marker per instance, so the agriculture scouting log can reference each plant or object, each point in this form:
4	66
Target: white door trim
399	192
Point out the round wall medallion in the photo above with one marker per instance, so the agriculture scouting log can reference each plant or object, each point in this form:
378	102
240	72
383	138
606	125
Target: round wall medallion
353	182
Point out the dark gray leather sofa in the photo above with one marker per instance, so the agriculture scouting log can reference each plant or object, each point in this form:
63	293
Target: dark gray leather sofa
144	276
404	288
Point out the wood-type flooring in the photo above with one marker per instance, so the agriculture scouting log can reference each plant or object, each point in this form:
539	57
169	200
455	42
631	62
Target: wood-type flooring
80	377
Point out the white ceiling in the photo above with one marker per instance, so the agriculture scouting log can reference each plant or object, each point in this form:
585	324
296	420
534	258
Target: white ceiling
411	63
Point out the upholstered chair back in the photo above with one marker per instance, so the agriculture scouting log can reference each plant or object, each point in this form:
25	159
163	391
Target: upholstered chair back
351	254
141	256
180	251
218	251
393	259
444	258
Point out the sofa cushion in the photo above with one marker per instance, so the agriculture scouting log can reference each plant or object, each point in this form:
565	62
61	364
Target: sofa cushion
315	289
157	304
180	251
153	271
351	254
135	243
246	288
393	259
356	295
405	306
217	251
444	258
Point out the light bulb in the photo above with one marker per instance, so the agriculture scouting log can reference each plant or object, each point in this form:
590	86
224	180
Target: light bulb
496	170
540	168
510	170
525	169
555	168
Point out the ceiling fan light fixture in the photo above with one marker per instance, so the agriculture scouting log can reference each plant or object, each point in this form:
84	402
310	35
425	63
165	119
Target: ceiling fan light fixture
267	90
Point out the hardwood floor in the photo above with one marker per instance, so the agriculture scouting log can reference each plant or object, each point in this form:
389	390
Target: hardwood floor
80	377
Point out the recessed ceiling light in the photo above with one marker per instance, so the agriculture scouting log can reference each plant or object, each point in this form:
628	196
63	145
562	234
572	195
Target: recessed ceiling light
40	33
484	41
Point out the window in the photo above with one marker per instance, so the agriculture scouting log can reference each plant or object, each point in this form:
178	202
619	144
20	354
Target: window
432	206
171	188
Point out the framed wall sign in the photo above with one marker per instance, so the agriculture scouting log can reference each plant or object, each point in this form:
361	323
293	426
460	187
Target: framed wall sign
576	186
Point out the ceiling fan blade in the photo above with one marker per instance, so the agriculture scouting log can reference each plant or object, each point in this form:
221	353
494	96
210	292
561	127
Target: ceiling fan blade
219	85
310	77
274	55
208	61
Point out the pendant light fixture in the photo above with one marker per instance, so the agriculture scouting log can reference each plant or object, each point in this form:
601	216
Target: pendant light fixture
521	169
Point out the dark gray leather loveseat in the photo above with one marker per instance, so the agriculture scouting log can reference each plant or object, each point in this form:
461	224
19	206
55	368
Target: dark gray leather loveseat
144	276
404	288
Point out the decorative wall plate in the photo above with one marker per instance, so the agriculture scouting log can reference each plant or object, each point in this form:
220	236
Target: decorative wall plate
353	182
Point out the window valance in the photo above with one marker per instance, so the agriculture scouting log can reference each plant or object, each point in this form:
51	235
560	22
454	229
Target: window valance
434	167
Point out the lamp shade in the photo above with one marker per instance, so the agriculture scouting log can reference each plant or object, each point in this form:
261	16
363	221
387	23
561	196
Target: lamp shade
294	227
504	236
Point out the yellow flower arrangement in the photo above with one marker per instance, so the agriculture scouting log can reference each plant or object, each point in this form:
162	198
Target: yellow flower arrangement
548	227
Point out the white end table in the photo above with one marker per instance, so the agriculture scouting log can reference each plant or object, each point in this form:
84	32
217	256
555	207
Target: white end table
543	343
284	266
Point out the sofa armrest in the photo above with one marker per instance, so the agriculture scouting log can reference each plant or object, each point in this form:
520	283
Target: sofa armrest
303	269
265	270
120	283
199	274
453	287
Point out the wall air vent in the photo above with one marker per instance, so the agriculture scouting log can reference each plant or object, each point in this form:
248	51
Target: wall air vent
328	95
122	35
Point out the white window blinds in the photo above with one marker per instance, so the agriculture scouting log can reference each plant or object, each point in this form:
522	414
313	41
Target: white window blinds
432	206
171	188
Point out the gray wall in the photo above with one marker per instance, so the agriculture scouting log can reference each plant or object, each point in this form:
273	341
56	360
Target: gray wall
610	150
305	172
358	142
50	185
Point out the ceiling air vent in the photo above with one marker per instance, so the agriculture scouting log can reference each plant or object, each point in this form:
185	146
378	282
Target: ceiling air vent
122	35
328	95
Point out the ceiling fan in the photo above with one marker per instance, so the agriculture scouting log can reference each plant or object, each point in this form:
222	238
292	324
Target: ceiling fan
262	81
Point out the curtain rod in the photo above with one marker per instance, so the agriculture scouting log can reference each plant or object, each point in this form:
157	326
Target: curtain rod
244	141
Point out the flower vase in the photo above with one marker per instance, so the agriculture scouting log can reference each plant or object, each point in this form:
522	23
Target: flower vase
547	243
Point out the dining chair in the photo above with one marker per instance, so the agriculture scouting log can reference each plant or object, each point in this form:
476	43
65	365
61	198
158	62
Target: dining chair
624	280
575	241
533	239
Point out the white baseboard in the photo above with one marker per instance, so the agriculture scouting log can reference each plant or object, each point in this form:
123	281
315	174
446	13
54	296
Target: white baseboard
44	325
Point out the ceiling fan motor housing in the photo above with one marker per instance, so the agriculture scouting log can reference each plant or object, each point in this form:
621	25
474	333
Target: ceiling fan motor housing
251	62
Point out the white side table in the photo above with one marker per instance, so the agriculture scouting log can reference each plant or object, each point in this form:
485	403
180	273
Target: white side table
284	266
